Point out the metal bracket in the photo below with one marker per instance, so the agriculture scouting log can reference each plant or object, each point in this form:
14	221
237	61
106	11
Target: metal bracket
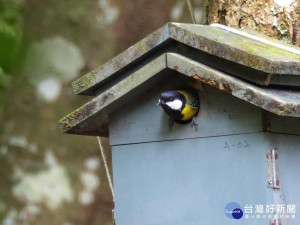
272	169
275	222
113	216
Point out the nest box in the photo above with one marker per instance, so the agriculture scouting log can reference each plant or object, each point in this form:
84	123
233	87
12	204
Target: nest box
246	148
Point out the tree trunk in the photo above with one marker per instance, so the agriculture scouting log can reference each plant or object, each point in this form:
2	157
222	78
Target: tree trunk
275	18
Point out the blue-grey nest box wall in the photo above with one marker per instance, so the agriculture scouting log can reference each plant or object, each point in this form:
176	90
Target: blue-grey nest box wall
246	148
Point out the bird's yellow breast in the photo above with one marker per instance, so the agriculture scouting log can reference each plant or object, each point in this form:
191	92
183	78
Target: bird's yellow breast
188	112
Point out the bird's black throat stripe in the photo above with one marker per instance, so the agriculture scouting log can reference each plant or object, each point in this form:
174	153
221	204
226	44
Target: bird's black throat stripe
175	114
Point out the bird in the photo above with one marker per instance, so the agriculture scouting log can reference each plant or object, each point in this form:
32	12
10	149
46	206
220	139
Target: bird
182	106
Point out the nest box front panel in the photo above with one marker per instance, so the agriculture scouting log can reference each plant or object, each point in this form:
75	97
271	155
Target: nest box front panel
189	181
220	114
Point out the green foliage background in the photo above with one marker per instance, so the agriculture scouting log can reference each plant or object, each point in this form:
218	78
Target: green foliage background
37	42
11	26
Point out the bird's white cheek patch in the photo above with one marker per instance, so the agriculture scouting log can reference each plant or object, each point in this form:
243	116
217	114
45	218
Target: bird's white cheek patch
175	105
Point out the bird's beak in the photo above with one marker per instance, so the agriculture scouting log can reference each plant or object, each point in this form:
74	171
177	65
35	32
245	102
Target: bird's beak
159	102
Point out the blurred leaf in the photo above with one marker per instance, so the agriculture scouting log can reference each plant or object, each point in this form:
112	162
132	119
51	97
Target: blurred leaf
4	79
10	32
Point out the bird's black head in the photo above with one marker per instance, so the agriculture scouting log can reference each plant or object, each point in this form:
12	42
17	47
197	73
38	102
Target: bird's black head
171	101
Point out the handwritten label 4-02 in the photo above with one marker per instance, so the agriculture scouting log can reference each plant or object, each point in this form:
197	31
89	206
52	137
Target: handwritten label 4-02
238	145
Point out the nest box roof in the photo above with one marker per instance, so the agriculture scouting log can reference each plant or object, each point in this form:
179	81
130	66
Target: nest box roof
240	63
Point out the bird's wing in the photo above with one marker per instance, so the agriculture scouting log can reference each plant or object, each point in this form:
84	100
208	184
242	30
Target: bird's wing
193	103
191	98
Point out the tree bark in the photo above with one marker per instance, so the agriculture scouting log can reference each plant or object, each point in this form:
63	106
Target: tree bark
275	18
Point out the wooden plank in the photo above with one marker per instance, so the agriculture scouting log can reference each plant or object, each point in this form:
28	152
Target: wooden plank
215	41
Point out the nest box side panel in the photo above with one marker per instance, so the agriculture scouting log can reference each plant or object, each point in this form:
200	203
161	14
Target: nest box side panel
282	124
220	114
189	181
288	149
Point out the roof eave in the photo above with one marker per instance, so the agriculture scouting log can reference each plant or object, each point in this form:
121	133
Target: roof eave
93	117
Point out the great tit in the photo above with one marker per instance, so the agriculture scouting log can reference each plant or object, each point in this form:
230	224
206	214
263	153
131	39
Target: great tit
182	106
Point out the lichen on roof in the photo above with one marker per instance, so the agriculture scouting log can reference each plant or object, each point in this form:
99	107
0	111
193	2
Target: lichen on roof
213	40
